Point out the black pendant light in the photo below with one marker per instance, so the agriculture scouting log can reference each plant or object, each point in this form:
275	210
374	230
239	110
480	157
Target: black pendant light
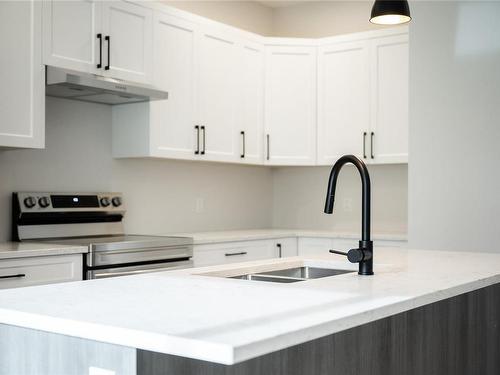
390	12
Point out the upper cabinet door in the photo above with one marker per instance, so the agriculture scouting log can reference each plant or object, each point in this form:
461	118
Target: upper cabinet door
343	101
70	34
128	34
22	93
389	122
173	120
290	113
217	92
250	119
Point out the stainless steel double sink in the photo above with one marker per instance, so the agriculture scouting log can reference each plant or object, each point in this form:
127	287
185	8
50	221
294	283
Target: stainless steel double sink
292	275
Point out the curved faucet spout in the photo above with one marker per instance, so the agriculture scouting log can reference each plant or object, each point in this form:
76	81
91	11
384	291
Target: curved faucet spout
365	245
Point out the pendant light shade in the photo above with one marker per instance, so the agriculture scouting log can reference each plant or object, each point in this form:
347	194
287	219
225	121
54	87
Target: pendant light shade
390	12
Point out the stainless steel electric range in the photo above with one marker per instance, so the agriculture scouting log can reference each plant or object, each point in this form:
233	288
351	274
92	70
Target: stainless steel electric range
95	220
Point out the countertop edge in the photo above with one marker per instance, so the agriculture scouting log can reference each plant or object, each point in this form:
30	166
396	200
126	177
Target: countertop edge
41	252
204	238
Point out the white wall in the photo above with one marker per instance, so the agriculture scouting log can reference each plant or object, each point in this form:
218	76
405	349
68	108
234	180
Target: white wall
307	19
313	19
454	178
247	15
299	199
161	194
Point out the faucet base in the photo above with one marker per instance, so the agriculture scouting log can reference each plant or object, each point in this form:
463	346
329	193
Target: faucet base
366	265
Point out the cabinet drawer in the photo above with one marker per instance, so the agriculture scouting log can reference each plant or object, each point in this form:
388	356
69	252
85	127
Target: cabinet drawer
21	272
312	246
233	252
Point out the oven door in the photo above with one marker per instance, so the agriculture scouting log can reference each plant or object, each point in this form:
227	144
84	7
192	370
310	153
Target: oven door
136	269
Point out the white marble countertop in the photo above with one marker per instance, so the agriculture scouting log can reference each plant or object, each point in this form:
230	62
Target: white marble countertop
9	250
262	234
190	314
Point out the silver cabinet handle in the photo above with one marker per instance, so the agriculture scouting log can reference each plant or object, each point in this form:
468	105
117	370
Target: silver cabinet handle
267	137
243	140
364	145
204	140
17	275
371	145
235	254
197	151
280	254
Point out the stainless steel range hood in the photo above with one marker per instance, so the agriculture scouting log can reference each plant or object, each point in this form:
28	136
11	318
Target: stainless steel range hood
68	84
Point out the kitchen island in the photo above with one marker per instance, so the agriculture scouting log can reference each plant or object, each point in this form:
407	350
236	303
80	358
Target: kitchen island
423	312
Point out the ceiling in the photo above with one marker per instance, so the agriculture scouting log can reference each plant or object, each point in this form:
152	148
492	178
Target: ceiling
287	3
282	3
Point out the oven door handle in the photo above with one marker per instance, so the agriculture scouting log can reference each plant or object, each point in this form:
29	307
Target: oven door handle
126	273
101	275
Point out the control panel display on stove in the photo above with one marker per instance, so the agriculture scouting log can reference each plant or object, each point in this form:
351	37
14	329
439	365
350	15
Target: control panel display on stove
71	201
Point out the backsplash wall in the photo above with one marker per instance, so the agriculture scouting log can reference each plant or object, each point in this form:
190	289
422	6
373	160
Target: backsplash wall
161	195
299	198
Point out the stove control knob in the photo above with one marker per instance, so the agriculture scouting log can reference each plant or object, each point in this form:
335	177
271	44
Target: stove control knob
30	202
44	202
117	201
105	202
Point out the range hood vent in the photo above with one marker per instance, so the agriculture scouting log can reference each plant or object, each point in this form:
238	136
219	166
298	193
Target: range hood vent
68	84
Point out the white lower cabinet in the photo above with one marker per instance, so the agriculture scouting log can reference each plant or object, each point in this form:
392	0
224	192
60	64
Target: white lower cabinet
287	247
243	251
315	245
19	272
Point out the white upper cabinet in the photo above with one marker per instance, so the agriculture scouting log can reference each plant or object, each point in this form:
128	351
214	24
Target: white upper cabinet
109	38
240	98
128	34
290	98
216	95
173	120
250	118
363	97
389	120
70	35
343	100
22	94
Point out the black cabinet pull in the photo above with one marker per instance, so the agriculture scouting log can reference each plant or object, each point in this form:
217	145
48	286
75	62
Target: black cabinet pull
280	254
204	139
108	39
234	254
99	36
243	139
197	151
371	145
364	145
267	137
13	276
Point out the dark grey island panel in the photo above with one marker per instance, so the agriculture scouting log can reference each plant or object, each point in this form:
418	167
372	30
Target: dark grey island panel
456	336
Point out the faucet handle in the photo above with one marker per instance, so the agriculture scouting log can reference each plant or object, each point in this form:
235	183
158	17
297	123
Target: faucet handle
354	255
338	252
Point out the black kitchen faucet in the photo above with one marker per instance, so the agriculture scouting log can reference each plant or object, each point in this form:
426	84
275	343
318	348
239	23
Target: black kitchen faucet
364	253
